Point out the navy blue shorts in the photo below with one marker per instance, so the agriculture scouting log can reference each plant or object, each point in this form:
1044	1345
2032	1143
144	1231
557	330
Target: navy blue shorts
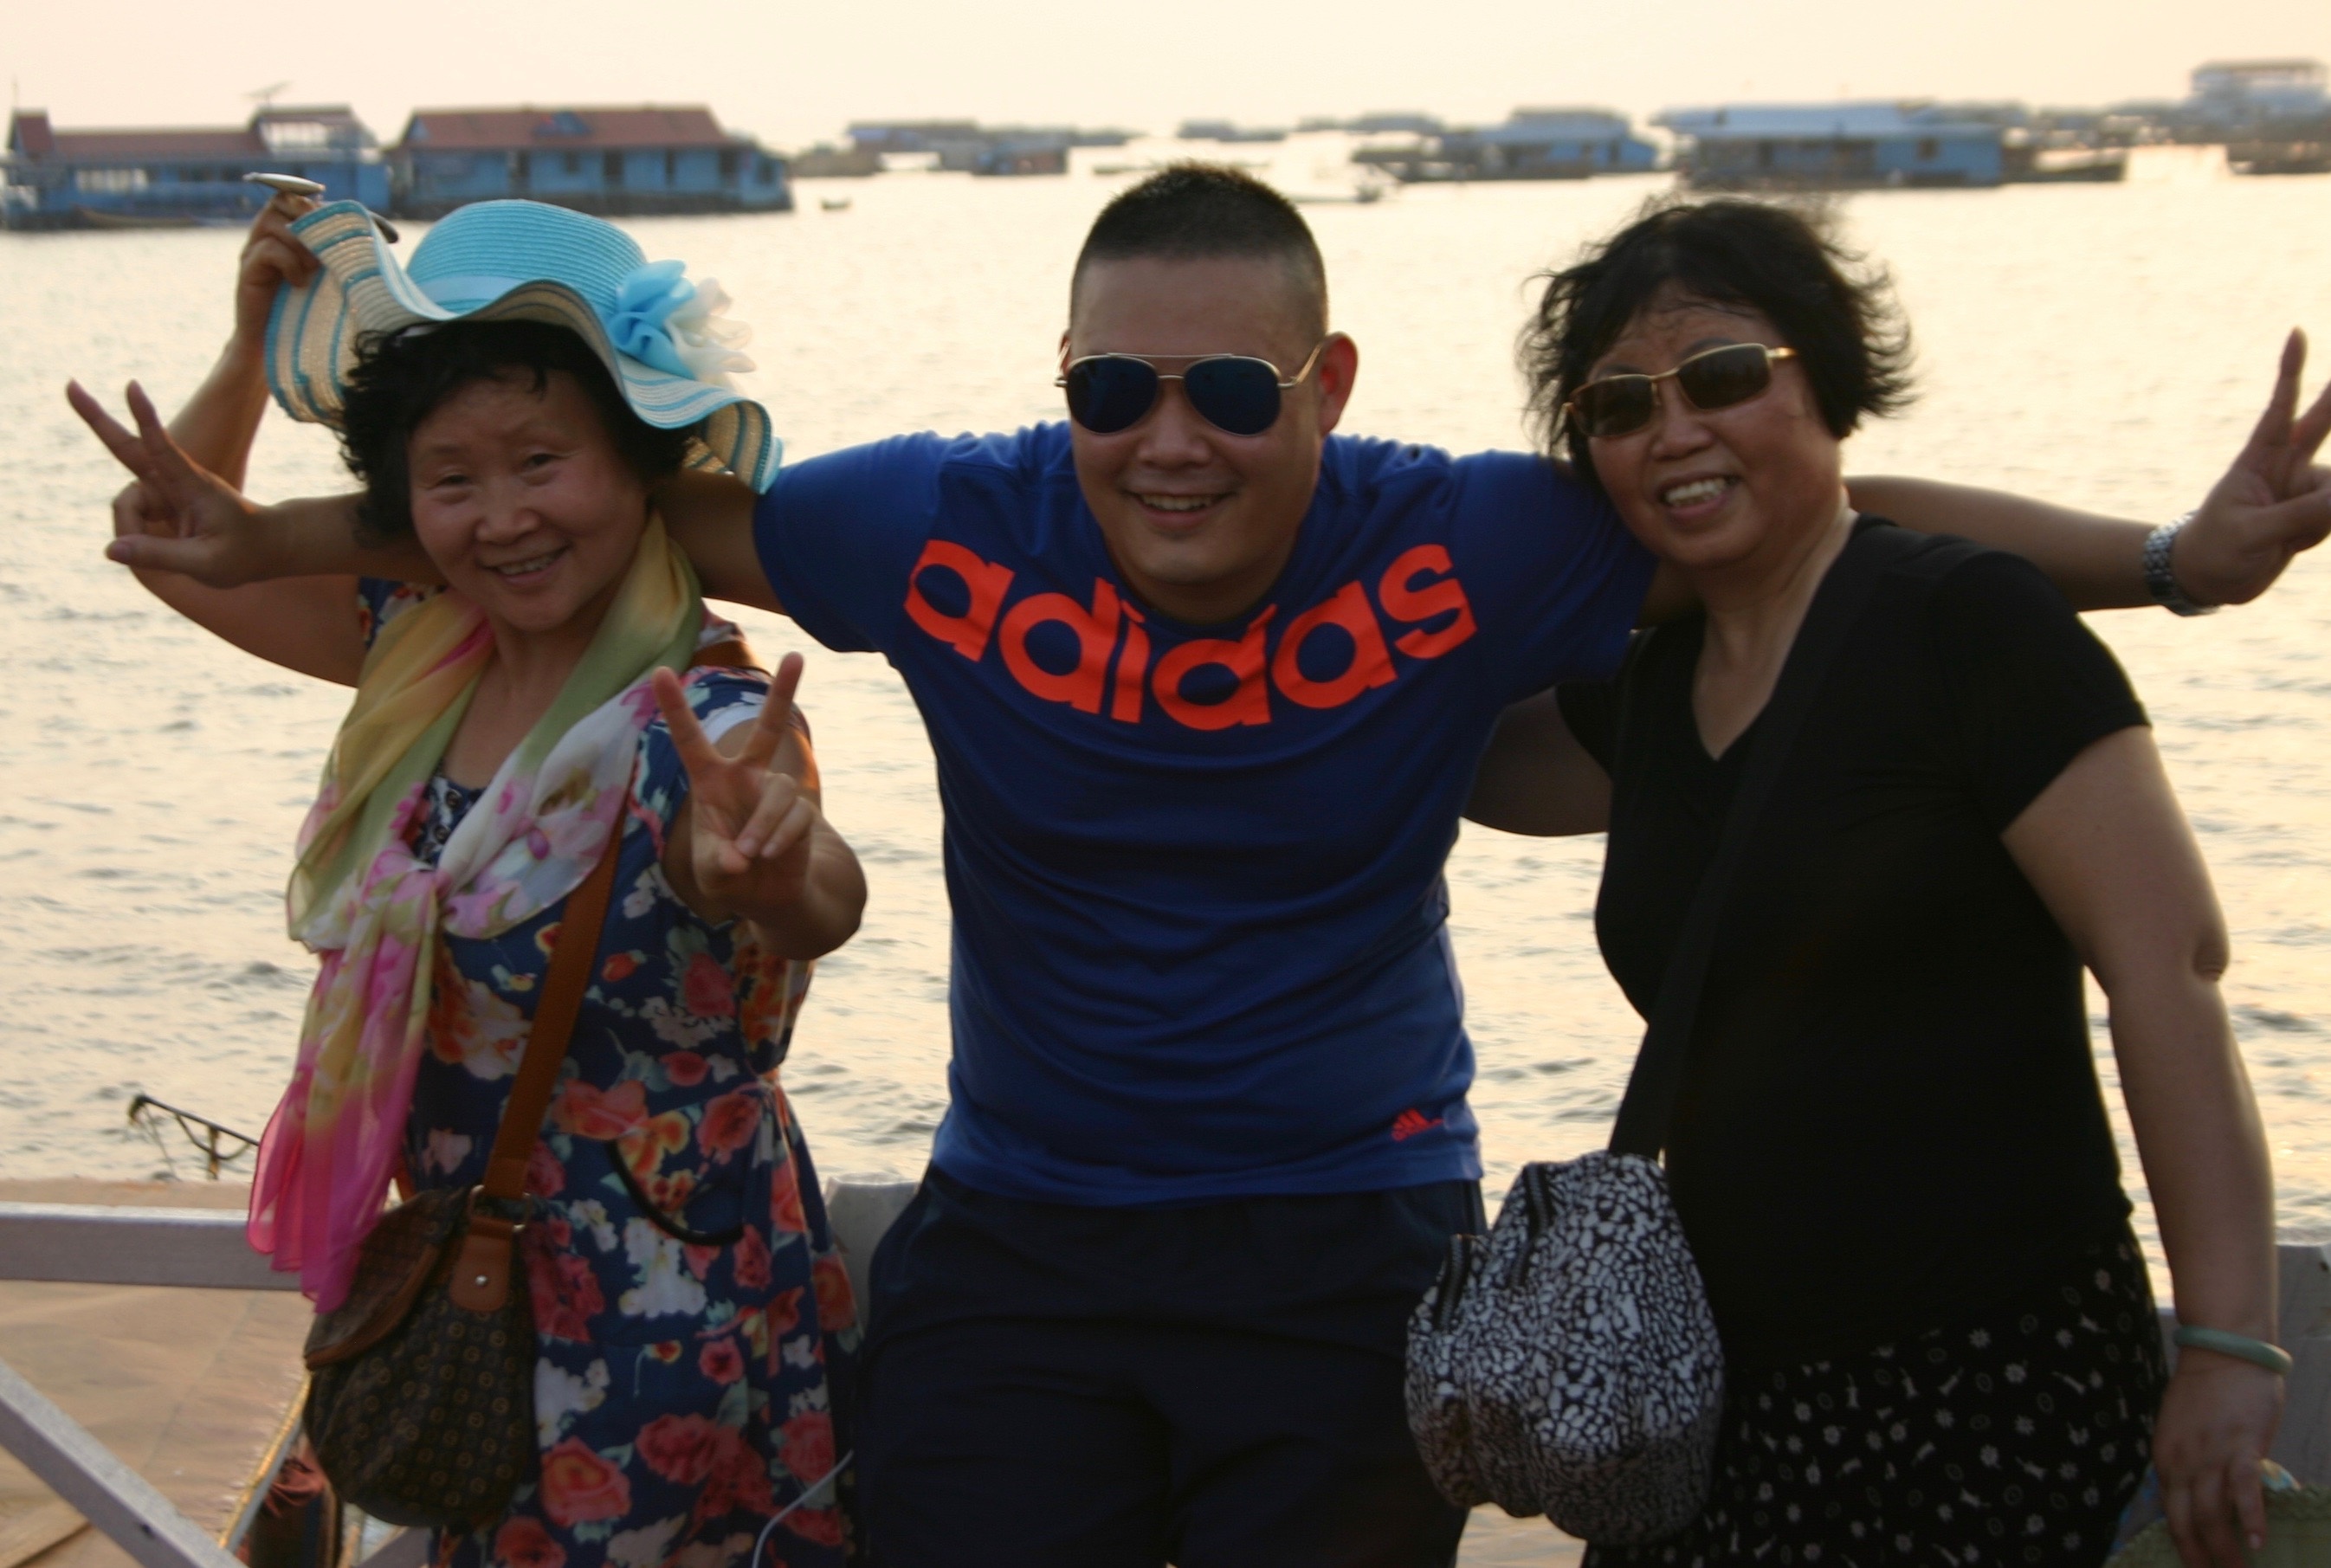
1216	1385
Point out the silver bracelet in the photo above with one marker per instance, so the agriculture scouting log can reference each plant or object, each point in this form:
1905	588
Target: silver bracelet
2159	580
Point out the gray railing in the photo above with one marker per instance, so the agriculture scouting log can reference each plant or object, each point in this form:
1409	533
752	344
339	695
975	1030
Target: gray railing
199	1249
204	1250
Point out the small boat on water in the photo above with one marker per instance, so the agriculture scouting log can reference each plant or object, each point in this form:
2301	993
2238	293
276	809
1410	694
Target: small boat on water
1366	194
1151	165
1223	131
2028	165
2280	158
92	218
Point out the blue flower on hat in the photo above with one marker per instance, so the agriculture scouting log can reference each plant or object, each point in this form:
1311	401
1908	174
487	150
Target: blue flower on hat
664	320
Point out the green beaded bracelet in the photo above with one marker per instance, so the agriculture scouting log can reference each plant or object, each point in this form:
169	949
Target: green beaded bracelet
2241	1346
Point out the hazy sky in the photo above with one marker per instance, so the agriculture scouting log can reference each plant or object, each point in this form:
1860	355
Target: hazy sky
793	72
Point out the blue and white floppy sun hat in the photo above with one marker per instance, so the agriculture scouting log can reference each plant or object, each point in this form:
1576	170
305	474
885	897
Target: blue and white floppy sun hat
658	333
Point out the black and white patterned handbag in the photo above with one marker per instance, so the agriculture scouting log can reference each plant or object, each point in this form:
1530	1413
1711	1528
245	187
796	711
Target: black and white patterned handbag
1567	1364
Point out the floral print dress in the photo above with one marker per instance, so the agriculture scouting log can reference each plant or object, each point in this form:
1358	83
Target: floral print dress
693	1319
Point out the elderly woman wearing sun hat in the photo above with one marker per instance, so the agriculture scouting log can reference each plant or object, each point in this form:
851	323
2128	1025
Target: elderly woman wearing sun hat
509	401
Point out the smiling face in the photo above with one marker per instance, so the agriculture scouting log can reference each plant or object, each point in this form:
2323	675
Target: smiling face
1721	490
522	500
1200	521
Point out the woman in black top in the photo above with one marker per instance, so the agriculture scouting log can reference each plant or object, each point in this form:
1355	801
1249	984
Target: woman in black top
1890	1153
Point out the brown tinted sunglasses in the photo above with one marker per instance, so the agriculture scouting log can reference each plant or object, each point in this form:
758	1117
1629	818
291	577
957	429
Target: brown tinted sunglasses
1617	405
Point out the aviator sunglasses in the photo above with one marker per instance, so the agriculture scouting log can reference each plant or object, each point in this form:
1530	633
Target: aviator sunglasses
1619	405
1234	393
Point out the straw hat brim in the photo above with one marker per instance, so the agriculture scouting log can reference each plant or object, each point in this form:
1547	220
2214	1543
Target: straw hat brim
315	331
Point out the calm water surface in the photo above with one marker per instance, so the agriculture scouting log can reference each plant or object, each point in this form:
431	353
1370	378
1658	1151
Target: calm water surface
2107	345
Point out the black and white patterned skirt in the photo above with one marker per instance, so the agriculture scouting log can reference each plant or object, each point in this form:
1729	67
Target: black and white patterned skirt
2014	1439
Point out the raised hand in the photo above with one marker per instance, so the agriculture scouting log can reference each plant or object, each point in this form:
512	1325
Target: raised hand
177	517
2271	504
752	824
271	257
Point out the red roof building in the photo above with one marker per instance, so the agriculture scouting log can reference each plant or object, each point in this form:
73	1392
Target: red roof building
509	129
173	175
613	160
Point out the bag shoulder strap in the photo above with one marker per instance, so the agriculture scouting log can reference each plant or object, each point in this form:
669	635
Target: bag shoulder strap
1642	1127
579	927
553	1019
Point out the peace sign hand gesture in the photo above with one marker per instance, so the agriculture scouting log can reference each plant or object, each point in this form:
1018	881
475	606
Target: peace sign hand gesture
2271	504
751	843
178	517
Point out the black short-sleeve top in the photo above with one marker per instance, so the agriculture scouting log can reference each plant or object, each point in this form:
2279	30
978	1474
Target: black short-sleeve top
1890	1118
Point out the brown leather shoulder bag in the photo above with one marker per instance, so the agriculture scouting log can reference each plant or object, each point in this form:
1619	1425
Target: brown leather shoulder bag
421	1384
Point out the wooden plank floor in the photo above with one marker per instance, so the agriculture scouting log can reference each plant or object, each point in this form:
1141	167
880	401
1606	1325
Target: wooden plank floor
1495	1539
188	1387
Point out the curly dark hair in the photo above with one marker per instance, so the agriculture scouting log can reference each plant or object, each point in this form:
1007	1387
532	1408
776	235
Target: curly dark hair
1831	305
401	378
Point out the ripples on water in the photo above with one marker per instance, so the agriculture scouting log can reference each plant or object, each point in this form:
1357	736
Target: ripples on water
2103	345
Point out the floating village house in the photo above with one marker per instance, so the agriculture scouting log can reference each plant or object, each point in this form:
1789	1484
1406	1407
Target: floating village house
1223	131
614	162
1835	147
58	179
2273	114
2260	94
1534	144
967	147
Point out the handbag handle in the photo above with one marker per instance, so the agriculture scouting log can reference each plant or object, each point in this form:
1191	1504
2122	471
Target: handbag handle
1642	1127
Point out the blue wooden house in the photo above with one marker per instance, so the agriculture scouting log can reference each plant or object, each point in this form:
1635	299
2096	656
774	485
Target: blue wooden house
171	178
1834	146
1533	144
1536	143
614	162
967	147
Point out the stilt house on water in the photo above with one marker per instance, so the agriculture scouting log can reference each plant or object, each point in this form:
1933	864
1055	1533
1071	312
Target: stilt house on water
174	178
614	162
1834	147
967	147
1534	144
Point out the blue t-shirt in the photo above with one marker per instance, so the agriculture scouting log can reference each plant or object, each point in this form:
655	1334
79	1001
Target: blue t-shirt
1199	946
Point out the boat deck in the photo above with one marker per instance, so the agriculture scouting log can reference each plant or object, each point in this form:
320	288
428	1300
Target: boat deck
189	1388
192	1388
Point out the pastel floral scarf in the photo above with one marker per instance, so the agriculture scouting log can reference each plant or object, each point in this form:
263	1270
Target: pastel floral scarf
375	913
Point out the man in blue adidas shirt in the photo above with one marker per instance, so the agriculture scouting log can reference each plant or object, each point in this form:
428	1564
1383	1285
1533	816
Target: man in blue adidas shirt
1206	685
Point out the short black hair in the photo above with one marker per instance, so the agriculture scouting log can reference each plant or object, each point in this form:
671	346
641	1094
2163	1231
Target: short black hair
1194	211
1833	307
401	378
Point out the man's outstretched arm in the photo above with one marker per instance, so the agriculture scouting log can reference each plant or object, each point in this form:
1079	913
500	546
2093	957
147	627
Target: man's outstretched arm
711	518
2270	505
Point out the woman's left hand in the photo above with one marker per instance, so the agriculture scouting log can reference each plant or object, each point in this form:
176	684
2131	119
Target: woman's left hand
2216	1423
2271	504
751	819
271	257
